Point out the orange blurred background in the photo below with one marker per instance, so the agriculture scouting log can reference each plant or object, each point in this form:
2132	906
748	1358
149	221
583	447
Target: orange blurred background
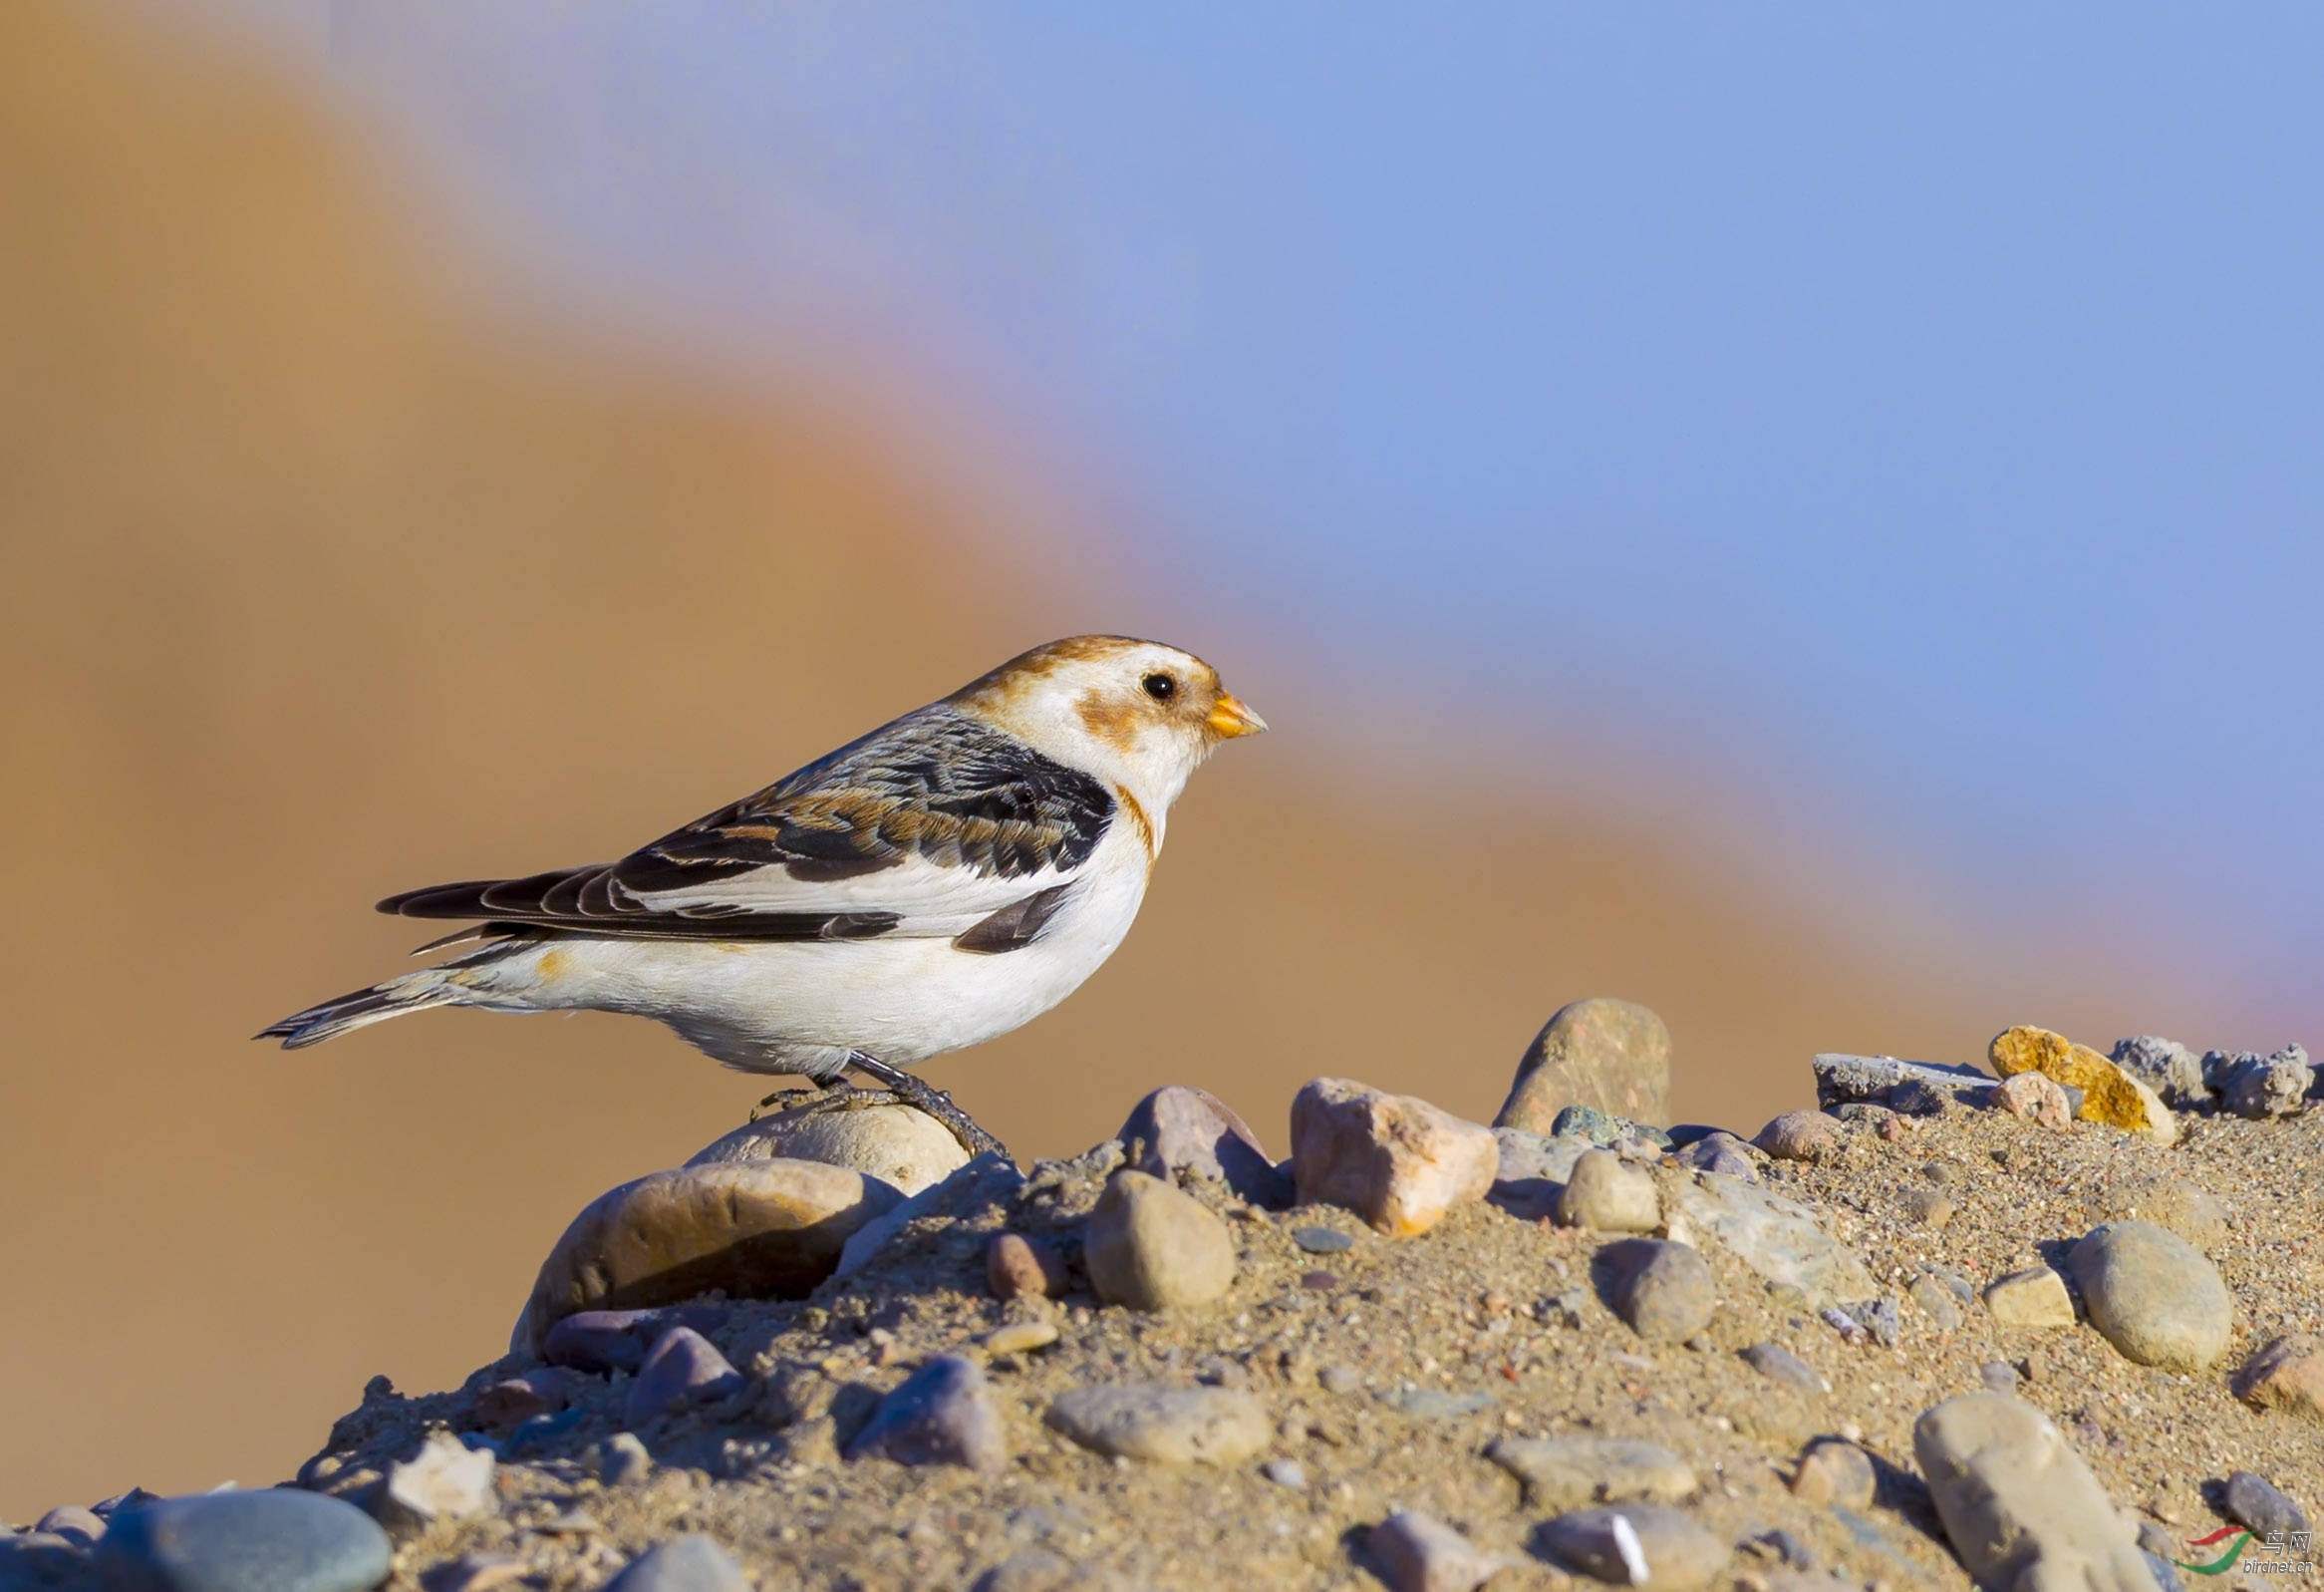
320	582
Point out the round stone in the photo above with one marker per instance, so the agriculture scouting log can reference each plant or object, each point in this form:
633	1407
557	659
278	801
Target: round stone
757	1229
1800	1135
1663	1290
901	1146
2153	1295
1151	1247
1607	1195
275	1540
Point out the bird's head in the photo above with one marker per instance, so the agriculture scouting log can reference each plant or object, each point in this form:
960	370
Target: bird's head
1135	713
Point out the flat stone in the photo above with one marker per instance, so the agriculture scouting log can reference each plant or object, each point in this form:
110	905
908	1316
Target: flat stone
1169	1425
1419	1553
278	1539
1019	1267
1800	1135
2153	1296
1151	1247
1781	1365
2164	1066
1179	1128
2038	1099
2175	1202
2287	1375
1834	1473
1662	1289
1020	1336
1613	1055
2109	1093
443	1481
1607	1195
683	1368
943	1414
901	1146
2021	1508
1567	1472
1779	1239
2260	1505
681	1564
1398	1163
606	1341
1323	1240
1935	1300
2035	1298
1720	1153
1666	1551
1841	1078
755	1229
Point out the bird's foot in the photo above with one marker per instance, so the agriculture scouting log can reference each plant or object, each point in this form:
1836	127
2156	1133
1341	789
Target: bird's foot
836	1095
902	1087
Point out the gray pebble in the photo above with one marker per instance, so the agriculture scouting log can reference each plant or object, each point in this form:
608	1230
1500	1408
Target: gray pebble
1418	1553
1340	1379
1432	1404
1588	1121
2019	1505
683	1564
682	1369
1721	1153
1881	1319
1935	1300
2153	1295
1151	1421
1566	1473
1668	1550
1779	1363
1998	1376
274	1540
1321	1240
943	1414
601	1341
1285	1473
1662	1289
621	1460
2256	1501
1834	1473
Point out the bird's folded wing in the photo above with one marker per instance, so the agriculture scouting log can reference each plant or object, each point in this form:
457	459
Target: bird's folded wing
923	828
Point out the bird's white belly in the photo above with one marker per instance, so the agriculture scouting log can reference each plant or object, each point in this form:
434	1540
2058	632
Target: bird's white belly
778	1006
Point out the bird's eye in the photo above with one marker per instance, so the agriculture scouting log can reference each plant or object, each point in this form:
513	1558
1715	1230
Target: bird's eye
1160	687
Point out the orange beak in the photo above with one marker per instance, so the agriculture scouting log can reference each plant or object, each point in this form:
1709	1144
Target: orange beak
1230	718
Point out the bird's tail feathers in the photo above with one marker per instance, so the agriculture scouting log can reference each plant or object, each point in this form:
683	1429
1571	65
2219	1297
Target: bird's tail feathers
414	992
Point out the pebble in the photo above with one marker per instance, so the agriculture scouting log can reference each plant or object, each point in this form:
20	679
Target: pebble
2261	1505
681	1564
756	1230
2153	1295
277	1539
1665	1551
1722	1153
1020	1336
1780	1364
1928	1207
605	1341
1607	1195
1286	1473
902	1145
1835	1473
1800	1135
2183	1206
1661	1288
1998	1376
2261	1087
621	1460
79	1526
2039	1100
1612	1056
1017	1267
1841	1077
2167	1066
1170	1425
2020	1506
2110	1094
1418	1553
1323	1240
943	1414
1398	1163
2035	1297
517	1400
1779	1239
443	1481
1180	1128
1339	1380
1151	1247
1935	1300
1567	1472
681	1370
2287	1375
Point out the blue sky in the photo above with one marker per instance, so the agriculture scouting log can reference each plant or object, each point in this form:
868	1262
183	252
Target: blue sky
1916	415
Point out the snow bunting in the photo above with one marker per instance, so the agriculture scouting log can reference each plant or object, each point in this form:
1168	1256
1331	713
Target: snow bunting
945	880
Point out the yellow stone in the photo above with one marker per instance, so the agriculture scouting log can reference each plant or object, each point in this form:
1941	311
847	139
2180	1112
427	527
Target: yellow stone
2108	1095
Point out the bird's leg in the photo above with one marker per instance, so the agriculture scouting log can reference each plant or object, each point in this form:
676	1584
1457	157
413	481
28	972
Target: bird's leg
935	1101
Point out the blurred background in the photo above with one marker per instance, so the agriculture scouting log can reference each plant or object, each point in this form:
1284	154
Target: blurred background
1807	521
